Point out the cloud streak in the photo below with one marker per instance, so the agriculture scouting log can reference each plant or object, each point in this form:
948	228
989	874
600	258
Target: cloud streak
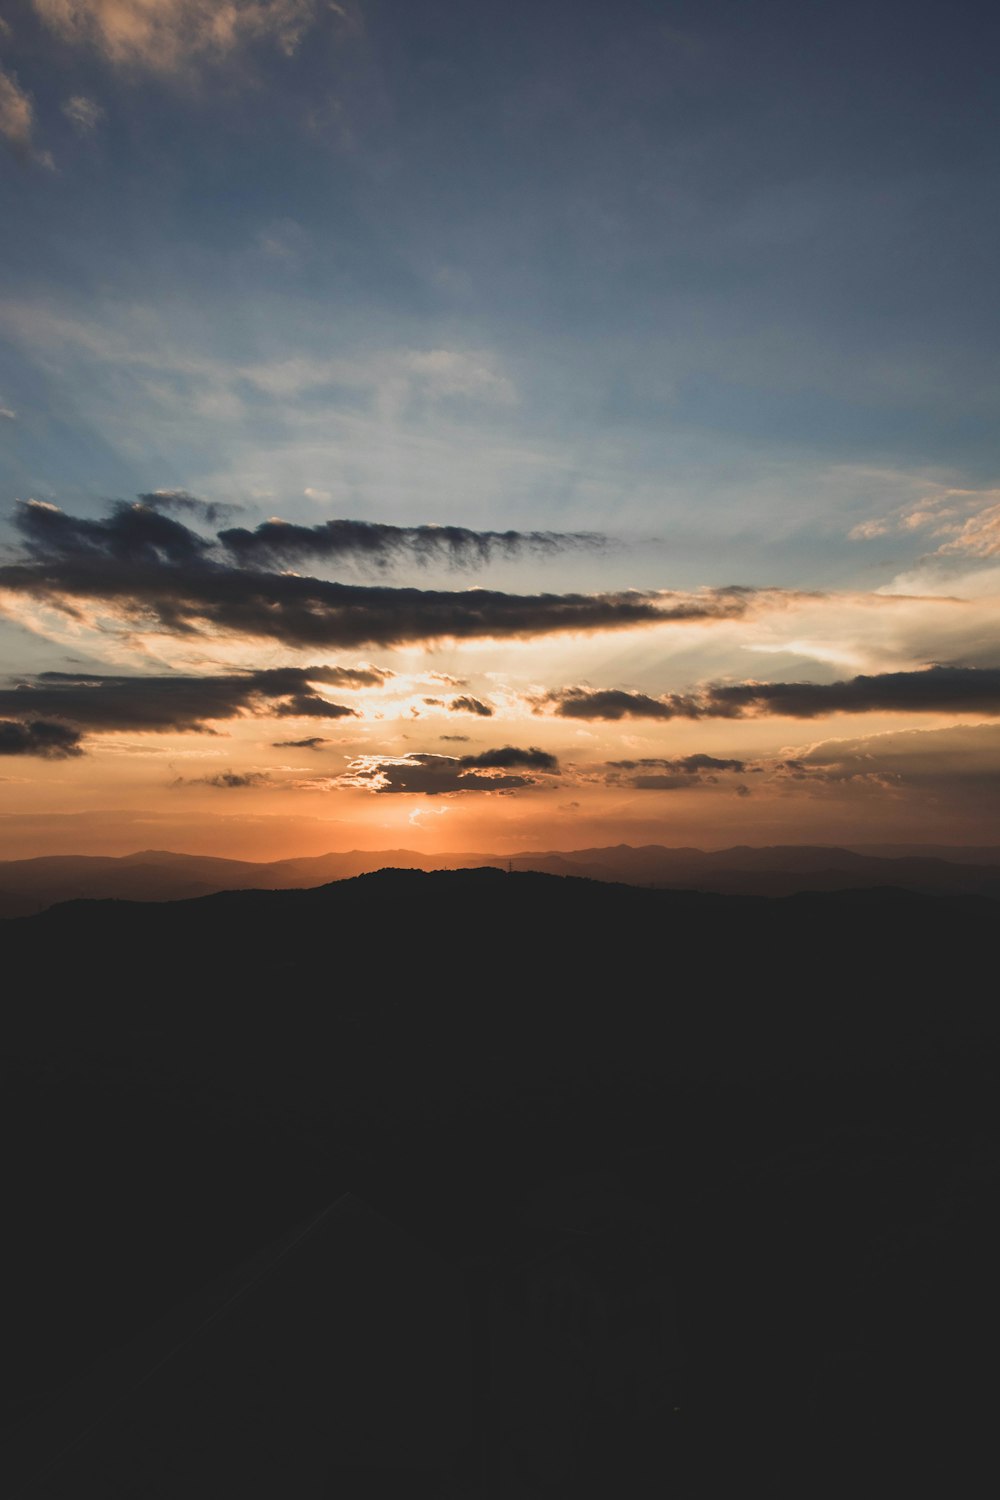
936	689
226	780
278	543
677	774
183	704
147	568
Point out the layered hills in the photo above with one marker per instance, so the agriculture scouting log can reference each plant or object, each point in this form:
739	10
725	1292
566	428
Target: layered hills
31	885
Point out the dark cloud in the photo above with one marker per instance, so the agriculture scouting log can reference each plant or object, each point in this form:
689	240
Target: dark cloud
686	764
135	533
456	739
615	703
311	613
467	705
179	703
158	573
509	755
283	543
682	773
937	689
662	782
227	780
38	737
438	775
314	742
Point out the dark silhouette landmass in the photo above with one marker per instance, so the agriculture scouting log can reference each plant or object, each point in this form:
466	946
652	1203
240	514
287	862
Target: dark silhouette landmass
484	1184
31	885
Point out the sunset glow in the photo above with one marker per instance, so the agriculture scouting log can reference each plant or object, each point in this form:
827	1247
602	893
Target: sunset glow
486	446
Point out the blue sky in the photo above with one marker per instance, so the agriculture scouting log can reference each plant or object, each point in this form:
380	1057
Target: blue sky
715	280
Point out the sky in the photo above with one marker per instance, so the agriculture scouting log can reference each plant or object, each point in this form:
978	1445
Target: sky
476	427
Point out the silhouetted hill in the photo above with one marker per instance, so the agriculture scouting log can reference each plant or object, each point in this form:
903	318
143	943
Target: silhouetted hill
714	1174
158	875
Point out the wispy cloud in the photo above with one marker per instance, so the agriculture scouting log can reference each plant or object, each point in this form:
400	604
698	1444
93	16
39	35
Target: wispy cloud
164	35
961	521
83	114
278	543
17	121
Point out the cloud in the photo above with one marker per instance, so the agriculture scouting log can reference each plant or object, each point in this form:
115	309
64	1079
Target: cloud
466	705
183	704
957	767
962	521
659	774
134	532
17	121
38	737
456	372
228	780
143	569
613	704
277	543
314	742
6	415
935	689
687	764
509	755
398	379
445	775
978	536
83	114
163	35
284	240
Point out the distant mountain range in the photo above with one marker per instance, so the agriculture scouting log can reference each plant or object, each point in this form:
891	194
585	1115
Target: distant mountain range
32	885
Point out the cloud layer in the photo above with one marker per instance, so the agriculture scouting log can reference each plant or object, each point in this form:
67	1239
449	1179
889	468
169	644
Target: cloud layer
937	689
148	568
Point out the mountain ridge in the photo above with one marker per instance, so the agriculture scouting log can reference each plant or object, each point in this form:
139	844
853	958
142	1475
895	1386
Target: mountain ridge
32	885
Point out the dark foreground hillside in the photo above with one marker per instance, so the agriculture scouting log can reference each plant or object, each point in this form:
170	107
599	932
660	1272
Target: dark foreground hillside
475	1184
